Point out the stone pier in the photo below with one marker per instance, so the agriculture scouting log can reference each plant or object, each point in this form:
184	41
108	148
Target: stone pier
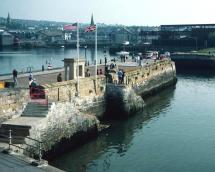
70	117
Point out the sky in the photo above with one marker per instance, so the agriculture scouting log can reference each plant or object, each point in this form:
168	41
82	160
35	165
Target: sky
126	12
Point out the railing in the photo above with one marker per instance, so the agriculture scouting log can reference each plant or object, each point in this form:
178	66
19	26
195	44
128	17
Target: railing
37	148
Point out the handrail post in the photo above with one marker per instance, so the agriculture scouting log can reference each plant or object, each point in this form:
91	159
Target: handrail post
40	153
10	139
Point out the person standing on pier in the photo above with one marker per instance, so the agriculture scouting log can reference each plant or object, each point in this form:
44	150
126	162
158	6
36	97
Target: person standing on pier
59	78
120	74
30	77
15	73
87	73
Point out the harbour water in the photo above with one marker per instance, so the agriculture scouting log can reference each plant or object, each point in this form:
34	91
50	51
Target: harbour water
24	59
175	132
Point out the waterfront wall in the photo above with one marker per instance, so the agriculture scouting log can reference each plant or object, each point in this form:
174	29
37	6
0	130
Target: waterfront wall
124	100
121	101
189	60
71	118
153	78
12	103
64	120
63	91
90	97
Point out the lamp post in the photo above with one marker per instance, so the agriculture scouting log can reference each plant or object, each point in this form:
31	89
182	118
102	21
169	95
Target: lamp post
196	43
106	69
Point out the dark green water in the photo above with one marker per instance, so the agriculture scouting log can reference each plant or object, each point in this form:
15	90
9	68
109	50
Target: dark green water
175	133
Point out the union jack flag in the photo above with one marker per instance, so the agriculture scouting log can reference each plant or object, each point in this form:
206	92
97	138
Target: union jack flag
70	26
90	28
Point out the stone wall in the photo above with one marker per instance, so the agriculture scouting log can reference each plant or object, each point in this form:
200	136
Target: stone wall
90	99
64	91
121	101
144	74
152	78
63	121
12	103
124	100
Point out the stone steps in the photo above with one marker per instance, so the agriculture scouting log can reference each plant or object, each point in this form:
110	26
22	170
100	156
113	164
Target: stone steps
18	133
35	109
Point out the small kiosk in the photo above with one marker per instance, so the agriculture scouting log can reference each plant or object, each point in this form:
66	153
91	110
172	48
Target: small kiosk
74	68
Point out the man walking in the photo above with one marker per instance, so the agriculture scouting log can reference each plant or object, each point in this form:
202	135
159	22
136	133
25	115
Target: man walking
15	73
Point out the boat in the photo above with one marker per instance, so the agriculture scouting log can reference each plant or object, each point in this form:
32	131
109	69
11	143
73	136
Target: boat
122	53
151	55
49	66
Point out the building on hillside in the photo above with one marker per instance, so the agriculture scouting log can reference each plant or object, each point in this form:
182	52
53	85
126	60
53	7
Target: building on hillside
148	36
6	39
102	38
51	36
122	35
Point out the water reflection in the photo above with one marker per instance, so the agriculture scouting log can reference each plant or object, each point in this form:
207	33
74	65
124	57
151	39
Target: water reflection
117	140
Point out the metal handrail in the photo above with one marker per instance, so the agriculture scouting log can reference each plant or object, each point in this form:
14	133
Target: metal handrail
39	148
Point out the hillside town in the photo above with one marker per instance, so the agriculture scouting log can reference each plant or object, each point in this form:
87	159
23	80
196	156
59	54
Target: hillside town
33	33
29	33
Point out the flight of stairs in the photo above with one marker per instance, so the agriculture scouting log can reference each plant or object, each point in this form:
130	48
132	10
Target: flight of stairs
19	131
35	109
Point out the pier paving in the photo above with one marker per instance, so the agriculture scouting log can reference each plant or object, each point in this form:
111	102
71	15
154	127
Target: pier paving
50	76
14	162
42	77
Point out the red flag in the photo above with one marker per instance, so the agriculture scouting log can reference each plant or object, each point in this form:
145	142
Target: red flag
90	28
70	27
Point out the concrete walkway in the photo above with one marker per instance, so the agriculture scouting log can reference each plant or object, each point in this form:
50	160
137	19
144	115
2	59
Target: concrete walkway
42	77
50	76
14	162
19	163
9	163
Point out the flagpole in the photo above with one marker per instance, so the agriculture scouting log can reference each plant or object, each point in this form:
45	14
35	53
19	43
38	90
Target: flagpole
96	53
78	86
